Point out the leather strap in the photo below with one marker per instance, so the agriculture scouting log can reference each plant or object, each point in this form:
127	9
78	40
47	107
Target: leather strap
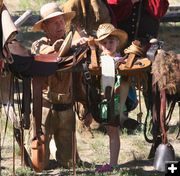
130	60
61	107
37	83
163	115
26	101
53	57
94	62
37	145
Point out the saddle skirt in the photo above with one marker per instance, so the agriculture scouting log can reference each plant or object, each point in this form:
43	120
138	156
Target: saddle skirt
7	29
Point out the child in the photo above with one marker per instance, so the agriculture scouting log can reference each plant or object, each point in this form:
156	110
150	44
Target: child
110	40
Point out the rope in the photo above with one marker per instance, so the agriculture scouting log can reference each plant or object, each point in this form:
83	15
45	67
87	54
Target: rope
133	48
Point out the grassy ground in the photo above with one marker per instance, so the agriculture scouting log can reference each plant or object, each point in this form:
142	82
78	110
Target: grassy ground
133	157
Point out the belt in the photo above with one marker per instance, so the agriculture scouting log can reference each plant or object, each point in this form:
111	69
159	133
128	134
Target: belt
61	107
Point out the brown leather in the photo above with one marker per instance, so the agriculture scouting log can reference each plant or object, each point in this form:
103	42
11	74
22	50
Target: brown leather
37	145
38	153
1	3
134	51
139	66
163	116
37	84
70	61
95	71
53	57
130	60
94	62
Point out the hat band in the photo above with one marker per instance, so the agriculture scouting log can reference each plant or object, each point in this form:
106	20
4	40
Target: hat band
103	35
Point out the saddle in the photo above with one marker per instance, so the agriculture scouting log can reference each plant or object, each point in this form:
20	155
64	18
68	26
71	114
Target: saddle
8	32
135	63
74	57
70	56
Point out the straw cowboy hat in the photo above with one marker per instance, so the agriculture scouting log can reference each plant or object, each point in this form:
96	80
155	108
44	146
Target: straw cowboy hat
51	10
107	29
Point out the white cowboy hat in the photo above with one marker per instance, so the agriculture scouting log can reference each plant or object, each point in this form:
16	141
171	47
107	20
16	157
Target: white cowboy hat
107	29
51	10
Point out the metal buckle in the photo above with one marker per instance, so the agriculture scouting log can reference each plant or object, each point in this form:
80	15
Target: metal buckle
87	75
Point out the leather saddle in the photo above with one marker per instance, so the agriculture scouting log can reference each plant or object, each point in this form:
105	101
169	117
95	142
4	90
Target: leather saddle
139	65
74	57
134	62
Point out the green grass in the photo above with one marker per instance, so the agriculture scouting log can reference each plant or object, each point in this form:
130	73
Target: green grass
35	5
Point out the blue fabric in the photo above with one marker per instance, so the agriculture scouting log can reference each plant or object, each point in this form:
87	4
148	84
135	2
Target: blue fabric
131	102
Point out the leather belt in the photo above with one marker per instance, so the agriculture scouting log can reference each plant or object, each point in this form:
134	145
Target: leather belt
61	107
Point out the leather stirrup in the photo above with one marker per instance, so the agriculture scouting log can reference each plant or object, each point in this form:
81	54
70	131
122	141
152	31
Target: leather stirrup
38	153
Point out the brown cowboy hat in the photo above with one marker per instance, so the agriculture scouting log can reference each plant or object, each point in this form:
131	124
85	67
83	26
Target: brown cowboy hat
107	29
51	10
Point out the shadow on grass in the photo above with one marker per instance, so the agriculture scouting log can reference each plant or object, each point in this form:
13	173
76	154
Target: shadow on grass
131	168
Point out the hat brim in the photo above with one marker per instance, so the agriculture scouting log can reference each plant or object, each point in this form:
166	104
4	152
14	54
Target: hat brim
68	16
120	34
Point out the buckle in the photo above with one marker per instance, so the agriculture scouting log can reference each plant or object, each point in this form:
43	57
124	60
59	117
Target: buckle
87	75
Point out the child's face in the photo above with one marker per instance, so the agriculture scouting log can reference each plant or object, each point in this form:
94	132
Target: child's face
109	45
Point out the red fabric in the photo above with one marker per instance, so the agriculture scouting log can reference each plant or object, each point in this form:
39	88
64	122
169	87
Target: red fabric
122	9
113	1
157	8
